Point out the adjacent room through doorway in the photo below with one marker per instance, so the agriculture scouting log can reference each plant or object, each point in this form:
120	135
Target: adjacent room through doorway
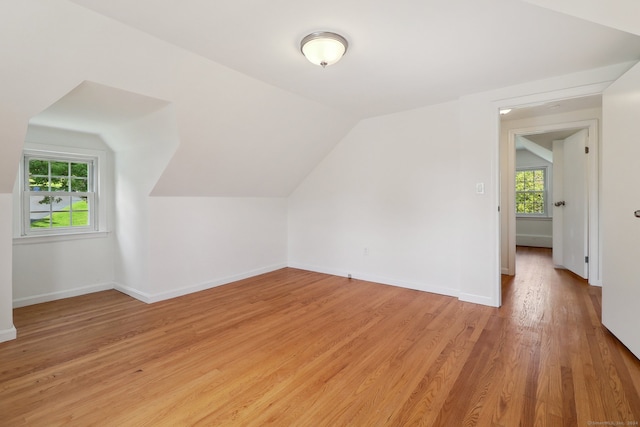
550	183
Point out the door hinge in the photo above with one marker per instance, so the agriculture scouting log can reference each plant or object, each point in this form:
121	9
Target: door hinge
586	259
586	150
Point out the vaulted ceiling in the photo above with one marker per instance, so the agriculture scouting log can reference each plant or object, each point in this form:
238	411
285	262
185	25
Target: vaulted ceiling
402	54
252	116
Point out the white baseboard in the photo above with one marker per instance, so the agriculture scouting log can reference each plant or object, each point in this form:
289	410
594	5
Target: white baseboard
440	290
174	293
8	334
52	296
140	295
323	270
133	293
478	299
534	240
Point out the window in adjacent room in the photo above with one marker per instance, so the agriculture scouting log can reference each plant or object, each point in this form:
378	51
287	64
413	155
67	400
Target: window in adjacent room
531	192
59	193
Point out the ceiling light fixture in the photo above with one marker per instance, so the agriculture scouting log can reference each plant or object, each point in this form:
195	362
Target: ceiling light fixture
323	48
504	111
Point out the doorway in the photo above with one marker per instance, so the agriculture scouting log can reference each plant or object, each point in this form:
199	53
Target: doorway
551	195
533	129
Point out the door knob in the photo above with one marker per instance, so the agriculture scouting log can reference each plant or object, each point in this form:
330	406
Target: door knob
637	214
562	204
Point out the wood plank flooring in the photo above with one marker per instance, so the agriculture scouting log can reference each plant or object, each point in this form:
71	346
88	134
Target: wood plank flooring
305	349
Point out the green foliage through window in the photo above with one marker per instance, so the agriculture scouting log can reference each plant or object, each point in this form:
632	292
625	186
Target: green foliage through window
59	192
530	192
46	175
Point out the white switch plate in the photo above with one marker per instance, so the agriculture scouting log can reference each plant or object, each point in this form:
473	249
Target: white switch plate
480	188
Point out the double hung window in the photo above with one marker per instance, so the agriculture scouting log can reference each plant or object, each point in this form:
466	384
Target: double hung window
59	194
531	192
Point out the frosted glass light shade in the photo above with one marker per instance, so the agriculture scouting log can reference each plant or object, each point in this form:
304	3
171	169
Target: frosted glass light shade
323	48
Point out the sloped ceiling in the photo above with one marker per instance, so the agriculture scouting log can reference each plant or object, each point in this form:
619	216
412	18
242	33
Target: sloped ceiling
91	107
66	66
553	107
402	54
620	14
253	116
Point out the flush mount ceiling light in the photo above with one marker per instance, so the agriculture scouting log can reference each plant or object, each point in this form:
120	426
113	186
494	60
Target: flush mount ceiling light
323	48
504	111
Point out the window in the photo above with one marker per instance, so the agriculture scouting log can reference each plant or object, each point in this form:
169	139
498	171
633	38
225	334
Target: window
531	192
59	194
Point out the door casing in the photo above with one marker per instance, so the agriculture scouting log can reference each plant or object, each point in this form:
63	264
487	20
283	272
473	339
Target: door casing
508	206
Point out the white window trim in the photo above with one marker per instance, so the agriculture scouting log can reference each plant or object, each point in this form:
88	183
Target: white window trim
547	212
22	235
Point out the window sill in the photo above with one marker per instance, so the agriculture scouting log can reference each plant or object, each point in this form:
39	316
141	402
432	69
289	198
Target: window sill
52	238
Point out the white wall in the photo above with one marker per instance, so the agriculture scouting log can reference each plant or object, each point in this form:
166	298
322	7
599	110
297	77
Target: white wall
13	128
196	243
44	271
233	135
170	246
478	258
480	160
354	201
7	330
142	148
534	232
160	247
383	204
48	271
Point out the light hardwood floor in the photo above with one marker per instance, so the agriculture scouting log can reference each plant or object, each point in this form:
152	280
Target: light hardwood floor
299	348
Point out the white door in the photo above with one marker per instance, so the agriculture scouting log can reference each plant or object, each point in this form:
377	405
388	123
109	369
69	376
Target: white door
620	201
570	210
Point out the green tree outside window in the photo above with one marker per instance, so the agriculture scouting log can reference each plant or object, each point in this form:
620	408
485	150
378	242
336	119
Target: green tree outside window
58	191
531	192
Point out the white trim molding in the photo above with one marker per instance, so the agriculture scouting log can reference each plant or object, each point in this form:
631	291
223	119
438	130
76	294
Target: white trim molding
435	289
593	163
52	296
8	334
174	293
478	299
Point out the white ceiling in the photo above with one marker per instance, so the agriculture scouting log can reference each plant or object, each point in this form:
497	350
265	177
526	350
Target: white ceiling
555	107
402	54
94	108
545	139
